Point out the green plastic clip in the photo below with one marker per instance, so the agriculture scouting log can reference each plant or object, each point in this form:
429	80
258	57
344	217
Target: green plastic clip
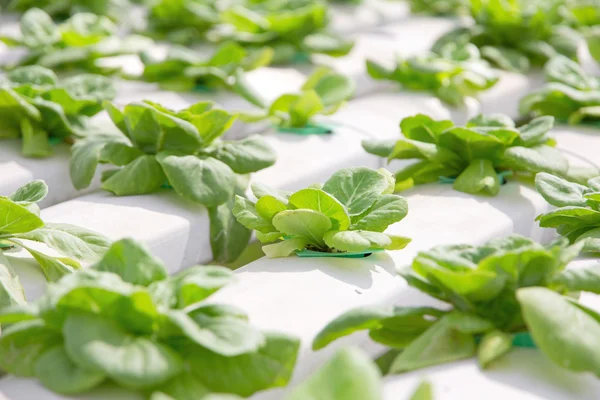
308	129
203	89
301	57
523	339
54	141
349	254
166	185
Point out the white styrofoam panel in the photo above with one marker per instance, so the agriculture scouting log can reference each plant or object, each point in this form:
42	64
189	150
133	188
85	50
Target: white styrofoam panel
16	170
522	374
347	18
504	97
579	141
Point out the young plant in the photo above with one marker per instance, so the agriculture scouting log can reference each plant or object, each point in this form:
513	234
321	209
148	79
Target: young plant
349	213
38	108
578	214
181	21
184	70
324	92
157	147
292	28
63	9
454	73
570	94
124	320
20	225
516	35
82	42
497	295
474	155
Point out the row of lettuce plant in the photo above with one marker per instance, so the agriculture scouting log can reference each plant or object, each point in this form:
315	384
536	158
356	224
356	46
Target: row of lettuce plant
507	293
105	322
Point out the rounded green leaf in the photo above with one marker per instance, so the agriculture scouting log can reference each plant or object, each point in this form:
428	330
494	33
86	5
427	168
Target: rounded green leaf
358	240
268	206
143	175
59	373
318	200
285	248
102	345
564	332
307	224
356	188
480	176
15	218
387	210
560	192
207	181
31	192
244	156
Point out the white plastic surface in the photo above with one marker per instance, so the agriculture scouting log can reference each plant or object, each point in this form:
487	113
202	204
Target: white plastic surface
353	17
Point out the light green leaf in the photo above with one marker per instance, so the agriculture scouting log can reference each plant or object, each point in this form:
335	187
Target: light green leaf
246	213
270	366
285	248
357	240
424	392
244	156
143	175
356	188
268	206
437	345
560	192
98	344
318	200
565	333
334	88
493	345
15	218
52	267
349	375
307	224
536	159
228	337
59	373
398	242
259	190
38	29
11	291
21	345
228	236
479	176
387	210
133	262
85	155
207	181
31	192
586	279
73	241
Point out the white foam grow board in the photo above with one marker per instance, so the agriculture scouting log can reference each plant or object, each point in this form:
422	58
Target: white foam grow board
522	374
16	170
579	141
504	97
347	18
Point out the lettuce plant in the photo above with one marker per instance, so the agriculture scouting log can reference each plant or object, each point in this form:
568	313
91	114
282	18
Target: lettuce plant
20	225
292	28
570	94
453	74
473	154
38	108
81	42
578	214
349	213
126	321
157	147
497	295
515	35
184	70
63	9
324	92
181	21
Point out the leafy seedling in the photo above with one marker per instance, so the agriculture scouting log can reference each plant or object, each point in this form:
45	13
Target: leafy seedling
157	147
181	21
38	108
495	293
349	213
324	92
124	320
63	9
82	42
578	214
184	70
453	74
294	29
20	225
570	94
516	35
473	155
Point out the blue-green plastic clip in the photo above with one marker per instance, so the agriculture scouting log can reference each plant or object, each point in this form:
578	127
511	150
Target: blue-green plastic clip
349	254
